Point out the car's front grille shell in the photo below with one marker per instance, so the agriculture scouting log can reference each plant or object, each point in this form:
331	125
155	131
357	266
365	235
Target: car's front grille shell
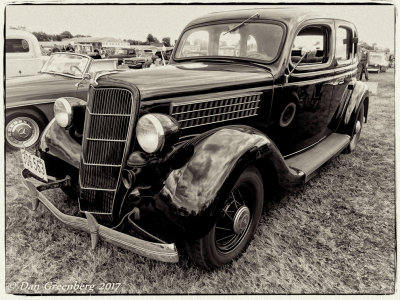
205	112
108	126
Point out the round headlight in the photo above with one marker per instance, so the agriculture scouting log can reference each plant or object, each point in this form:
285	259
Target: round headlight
63	112
150	133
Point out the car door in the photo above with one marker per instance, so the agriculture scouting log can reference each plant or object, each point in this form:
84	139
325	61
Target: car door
302	105
346	62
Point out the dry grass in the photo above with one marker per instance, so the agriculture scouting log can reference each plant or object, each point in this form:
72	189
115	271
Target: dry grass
335	235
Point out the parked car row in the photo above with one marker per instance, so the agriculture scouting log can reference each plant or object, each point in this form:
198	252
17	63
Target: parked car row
190	152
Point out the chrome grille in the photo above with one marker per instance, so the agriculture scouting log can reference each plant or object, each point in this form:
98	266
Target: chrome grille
210	111
108	122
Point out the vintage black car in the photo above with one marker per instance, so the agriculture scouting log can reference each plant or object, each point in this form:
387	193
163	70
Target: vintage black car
253	102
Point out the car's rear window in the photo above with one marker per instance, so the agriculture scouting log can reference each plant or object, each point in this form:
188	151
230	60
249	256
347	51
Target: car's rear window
17	46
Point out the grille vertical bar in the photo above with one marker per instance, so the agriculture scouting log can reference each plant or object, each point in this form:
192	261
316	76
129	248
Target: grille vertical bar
107	132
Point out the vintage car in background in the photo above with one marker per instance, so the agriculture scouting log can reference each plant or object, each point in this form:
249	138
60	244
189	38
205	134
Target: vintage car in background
143	59
123	53
377	61
23	54
190	152
30	99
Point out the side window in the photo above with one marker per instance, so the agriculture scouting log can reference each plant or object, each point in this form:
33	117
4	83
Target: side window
17	46
311	38
343	44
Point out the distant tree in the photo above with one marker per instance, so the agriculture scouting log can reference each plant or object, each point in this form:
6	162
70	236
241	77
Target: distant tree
41	36
166	41
151	39
66	35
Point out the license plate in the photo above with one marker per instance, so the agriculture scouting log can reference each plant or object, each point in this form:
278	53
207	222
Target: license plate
34	164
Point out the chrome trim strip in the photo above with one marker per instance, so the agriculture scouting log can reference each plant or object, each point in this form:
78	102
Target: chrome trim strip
105	140
220	121
241	95
313	81
99	165
114	115
324	72
220	114
31	103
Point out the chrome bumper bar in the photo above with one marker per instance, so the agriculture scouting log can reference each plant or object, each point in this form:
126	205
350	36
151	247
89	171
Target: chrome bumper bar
157	251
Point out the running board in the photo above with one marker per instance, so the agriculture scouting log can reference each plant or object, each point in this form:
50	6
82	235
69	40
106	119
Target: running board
309	161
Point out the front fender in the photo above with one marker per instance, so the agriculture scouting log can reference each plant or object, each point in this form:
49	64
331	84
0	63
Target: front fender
57	141
193	188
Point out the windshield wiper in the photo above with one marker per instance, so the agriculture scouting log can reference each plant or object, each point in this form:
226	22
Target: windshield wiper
256	15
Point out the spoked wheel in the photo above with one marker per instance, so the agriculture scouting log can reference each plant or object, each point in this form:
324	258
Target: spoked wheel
235	225
356	133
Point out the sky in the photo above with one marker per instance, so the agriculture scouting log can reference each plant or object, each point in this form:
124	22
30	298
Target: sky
375	23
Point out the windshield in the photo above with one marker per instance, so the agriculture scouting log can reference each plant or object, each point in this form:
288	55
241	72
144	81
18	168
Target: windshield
67	64
259	41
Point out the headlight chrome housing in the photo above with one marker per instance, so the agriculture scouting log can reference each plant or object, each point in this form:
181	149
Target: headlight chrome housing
155	132
63	112
68	110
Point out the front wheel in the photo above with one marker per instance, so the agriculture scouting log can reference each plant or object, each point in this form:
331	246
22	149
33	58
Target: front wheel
235	225
22	130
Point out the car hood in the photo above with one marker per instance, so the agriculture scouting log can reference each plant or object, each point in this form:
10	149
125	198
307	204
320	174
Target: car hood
189	78
20	90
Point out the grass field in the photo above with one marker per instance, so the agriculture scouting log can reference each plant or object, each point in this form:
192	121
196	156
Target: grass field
335	235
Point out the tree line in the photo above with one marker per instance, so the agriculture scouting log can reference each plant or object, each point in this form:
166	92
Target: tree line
44	37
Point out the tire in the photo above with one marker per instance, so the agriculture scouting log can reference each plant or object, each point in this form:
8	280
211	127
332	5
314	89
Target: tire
356	130
235	225
23	129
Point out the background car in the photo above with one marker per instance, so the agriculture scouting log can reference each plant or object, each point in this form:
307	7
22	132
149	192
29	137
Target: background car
378	61
29	99
23	54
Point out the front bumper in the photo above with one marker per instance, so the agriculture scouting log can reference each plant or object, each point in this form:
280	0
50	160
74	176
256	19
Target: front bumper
157	251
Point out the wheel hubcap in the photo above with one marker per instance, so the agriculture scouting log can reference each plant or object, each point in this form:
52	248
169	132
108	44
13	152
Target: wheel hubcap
241	219
22	132
235	220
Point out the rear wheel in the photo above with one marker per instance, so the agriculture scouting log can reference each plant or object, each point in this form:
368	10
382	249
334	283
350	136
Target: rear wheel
22	130
356	132
235	226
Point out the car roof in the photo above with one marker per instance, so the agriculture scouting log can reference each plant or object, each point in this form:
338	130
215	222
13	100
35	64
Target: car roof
284	14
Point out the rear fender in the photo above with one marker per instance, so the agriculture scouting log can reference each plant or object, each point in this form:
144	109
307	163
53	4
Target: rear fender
360	93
